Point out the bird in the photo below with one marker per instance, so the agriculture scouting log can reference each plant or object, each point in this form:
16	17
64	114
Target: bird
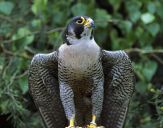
81	84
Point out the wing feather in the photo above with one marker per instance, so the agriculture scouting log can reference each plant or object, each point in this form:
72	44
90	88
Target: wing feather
118	88
44	88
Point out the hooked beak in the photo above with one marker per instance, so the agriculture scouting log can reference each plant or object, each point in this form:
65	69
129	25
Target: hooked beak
89	23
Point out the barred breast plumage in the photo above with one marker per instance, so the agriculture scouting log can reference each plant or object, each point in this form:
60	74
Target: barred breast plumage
80	67
78	61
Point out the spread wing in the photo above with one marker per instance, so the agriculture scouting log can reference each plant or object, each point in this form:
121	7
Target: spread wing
118	88
44	88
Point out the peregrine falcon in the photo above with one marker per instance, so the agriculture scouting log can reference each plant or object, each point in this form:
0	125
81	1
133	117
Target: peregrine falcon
81	84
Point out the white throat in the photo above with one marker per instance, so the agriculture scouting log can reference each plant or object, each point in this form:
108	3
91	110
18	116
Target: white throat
75	41
83	45
83	53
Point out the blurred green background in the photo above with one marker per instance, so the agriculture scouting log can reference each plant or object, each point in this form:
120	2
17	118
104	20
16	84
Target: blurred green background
31	26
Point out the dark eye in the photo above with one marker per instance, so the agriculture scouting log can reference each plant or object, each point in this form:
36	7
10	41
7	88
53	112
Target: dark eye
80	21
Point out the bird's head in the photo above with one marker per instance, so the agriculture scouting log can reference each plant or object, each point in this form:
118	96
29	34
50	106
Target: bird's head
80	28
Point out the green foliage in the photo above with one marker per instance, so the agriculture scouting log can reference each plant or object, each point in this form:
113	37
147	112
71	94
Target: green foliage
28	27
6	7
79	9
147	18
102	18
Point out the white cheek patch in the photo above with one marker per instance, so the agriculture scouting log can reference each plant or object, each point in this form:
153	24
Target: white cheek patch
71	36
71	32
86	33
72	39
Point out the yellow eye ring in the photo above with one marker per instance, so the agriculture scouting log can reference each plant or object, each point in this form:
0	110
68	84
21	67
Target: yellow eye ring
81	21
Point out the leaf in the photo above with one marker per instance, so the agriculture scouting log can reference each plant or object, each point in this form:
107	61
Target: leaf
6	7
58	17
159	10
115	3
79	9
139	31
161	108
151	7
153	28
102	18
141	87
23	85
149	124
5	28
25	34
147	18
2	60
39	6
115	41
36	23
102	36
149	69
4	106
126	26
133	10
138	70
135	16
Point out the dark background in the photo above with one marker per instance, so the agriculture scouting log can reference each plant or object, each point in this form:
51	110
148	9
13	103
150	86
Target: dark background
31	26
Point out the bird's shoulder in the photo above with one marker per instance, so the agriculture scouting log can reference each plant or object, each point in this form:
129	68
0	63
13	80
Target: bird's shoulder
115	56
45	58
